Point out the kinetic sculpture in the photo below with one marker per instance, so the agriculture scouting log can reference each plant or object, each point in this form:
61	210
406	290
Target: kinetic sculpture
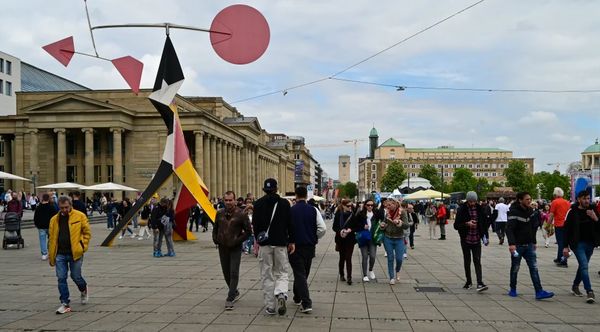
239	34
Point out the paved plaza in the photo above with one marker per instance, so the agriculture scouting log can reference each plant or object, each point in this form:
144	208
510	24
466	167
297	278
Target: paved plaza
132	291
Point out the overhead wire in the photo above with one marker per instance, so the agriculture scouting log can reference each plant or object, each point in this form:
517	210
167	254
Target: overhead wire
284	91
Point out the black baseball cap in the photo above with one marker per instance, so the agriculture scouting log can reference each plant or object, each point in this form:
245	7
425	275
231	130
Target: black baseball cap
270	185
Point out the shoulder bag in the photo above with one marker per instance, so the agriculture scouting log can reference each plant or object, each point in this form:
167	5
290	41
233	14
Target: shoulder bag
263	236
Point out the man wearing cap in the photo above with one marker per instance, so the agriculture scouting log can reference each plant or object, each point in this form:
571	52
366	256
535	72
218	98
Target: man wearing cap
272	224
471	224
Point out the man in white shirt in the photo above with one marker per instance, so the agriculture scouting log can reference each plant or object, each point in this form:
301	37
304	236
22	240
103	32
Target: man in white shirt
501	219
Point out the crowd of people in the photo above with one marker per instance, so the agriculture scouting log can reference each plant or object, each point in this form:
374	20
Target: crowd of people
284	232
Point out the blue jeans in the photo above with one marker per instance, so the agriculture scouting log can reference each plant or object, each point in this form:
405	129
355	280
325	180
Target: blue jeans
583	253
43	233
64	263
526	251
109	220
559	233
394	247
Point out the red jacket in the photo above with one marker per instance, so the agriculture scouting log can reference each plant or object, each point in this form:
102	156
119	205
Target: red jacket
441	212
16	206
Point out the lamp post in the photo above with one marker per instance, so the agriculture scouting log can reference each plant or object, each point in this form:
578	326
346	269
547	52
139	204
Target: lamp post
442	189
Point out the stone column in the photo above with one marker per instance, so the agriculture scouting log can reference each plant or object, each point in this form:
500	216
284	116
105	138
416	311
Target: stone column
230	168
199	154
219	168
61	155
33	155
206	160
244	170
117	160
19	160
213	167
89	155
238	170
226	167
8	159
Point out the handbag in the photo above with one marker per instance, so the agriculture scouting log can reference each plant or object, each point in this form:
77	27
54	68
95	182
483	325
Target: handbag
378	234
263	236
143	222
363	237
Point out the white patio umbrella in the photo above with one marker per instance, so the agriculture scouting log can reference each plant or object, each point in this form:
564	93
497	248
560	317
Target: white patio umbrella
8	176
62	185
108	186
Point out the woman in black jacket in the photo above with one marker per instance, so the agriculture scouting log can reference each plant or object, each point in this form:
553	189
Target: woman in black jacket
345	238
368	219
162	221
123	208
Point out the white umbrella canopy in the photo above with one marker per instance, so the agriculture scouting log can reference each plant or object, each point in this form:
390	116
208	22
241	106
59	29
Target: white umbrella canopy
8	176
109	186
62	185
426	194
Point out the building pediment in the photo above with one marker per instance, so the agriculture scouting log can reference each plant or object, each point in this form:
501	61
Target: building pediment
70	103
244	122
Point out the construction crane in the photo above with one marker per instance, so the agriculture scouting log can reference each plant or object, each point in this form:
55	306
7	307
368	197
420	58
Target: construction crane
354	141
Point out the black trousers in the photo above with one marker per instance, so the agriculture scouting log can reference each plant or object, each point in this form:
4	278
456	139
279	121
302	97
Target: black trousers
501	230
411	236
300	261
475	251
346	250
230	264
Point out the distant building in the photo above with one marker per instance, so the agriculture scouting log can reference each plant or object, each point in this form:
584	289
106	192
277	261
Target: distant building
488	163
344	168
590	162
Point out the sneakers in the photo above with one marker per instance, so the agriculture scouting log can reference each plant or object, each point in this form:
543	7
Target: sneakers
158	254
63	309
372	275
270	311
236	297
575	291
556	261
298	303
85	296
120	237
44	257
171	254
468	285
228	305
590	297
397	276
392	281
342	278
349	281
562	264
481	288
543	295
281	307
513	292
365	279
405	256
305	310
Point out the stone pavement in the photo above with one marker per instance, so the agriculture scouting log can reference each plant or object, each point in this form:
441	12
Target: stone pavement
132	291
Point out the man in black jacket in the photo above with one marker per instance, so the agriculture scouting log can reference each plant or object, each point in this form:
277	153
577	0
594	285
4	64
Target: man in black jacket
41	218
582	234
471	225
231	229
520	232
272	218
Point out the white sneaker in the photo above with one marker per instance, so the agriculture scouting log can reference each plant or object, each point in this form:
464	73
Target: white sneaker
385	254
63	309
120	237
392	281
44	257
405	256
85	296
372	275
398	276
140	238
365	279
132	236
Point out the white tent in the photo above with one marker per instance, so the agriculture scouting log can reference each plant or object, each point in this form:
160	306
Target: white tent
426	194
109	186
62	185
8	176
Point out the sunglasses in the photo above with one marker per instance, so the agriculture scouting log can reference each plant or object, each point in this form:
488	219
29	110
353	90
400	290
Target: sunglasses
368	204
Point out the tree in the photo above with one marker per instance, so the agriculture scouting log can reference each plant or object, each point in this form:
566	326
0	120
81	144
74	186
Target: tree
431	173
348	190
518	177
482	187
463	180
393	177
548	181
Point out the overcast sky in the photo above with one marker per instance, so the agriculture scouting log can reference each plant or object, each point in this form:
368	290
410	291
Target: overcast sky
508	44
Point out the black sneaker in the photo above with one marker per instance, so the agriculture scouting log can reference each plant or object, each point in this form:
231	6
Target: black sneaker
562	264
590	297
342	278
556	261
468	285
305	310
575	291
270	311
237	297
229	305
281	307
481	288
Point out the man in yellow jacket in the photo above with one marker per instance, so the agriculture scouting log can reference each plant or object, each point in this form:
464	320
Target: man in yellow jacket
68	238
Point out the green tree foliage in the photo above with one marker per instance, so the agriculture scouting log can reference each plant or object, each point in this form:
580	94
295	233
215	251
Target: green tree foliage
431	173
393	177
518	177
348	190
548	181
463	180
482	187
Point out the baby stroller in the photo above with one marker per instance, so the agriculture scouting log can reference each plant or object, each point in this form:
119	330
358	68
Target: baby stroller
12	231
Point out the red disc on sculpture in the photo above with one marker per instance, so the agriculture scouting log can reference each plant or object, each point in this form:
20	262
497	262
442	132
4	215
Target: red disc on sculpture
249	34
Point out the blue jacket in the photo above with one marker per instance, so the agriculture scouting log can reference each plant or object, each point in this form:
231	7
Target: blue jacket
304	221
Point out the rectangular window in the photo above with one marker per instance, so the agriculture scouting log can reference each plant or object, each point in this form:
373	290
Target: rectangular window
109	173
98	174
486	166
501	165
373	167
494	174
413	166
373	176
1	87
71	173
8	88
8	67
96	146
470	165
1	149
478	166
71	144
486	174
1	65
478	174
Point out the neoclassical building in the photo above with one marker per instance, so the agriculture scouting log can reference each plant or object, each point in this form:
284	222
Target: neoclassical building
113	135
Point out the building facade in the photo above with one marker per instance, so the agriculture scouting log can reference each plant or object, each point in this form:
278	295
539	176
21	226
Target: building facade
113	135
487	163
344	168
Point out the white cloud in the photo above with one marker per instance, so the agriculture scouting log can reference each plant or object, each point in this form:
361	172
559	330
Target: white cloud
539	118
